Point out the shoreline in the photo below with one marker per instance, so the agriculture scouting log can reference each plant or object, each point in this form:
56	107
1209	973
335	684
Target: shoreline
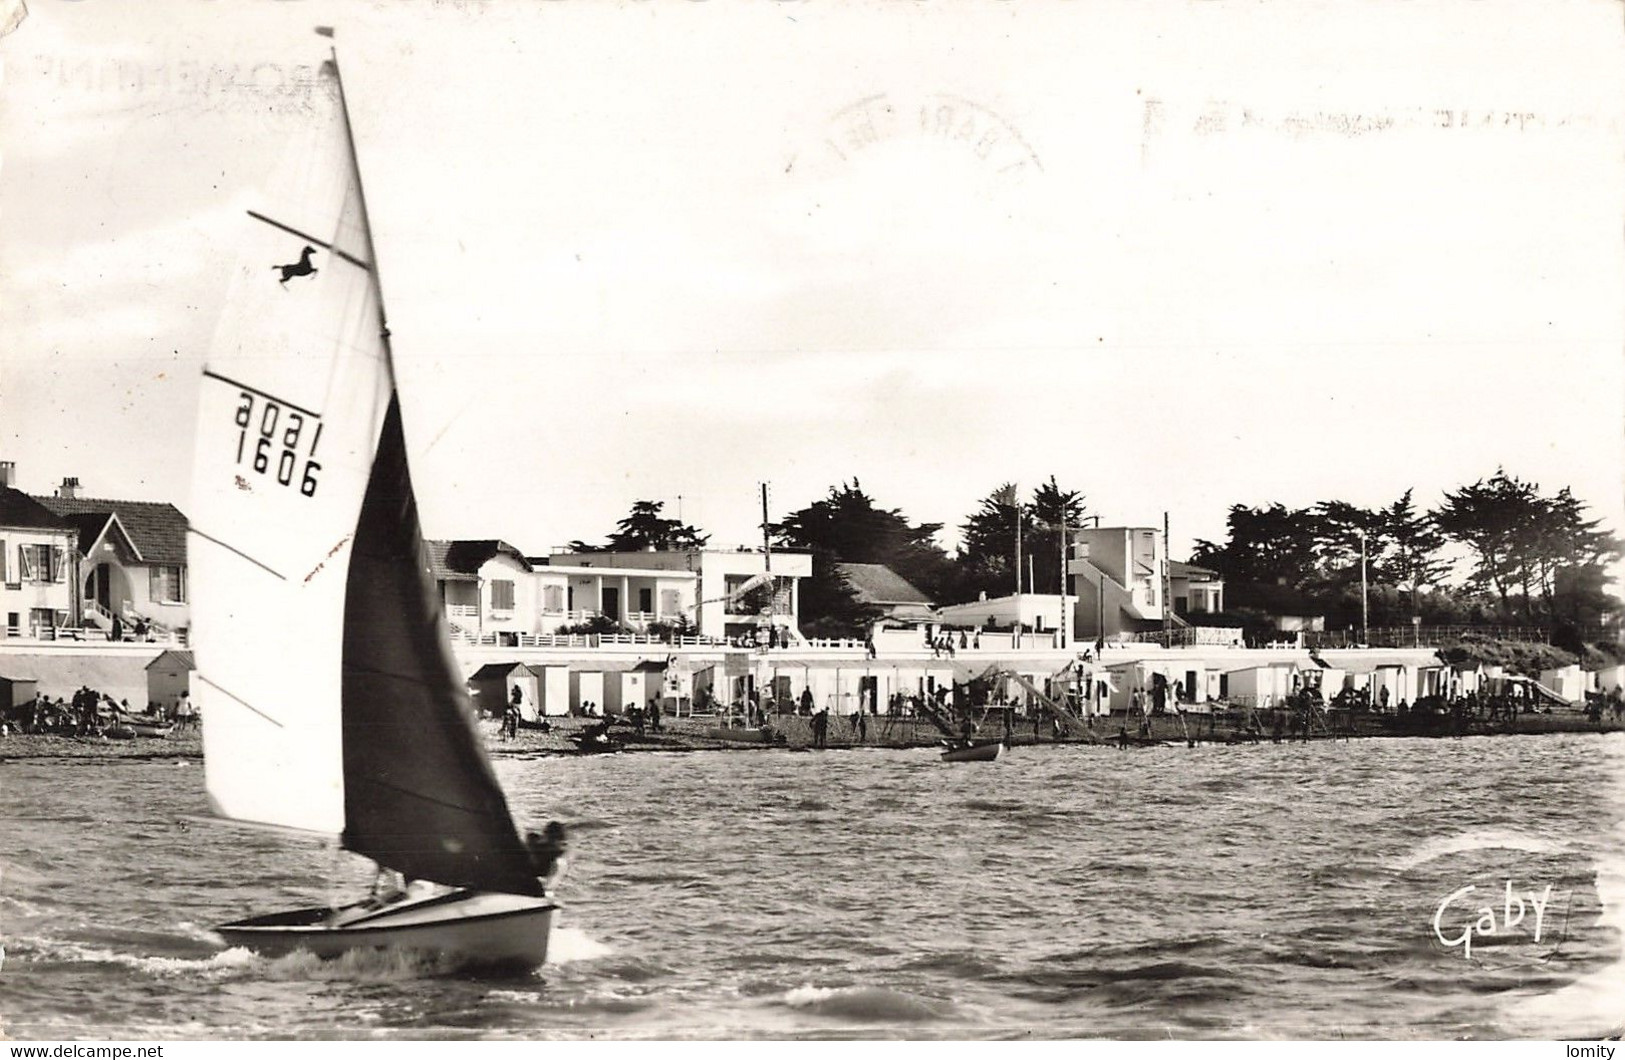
688	735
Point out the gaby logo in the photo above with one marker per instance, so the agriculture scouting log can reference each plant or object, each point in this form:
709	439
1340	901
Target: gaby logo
1486	924
302	267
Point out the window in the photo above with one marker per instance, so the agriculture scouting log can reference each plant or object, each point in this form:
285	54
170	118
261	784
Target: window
646	600
552	598
41	563
166	585
669	604
501	595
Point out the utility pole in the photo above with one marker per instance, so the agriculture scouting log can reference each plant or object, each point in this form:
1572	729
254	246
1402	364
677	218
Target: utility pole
1365	610
1018	545
1167	588
767	539
1061	621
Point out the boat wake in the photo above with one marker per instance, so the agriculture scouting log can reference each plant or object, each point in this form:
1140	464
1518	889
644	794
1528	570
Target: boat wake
47	951
569	944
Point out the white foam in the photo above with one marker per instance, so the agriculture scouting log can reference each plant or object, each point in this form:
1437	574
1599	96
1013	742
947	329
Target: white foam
226	960
802	996
1478	839
572	944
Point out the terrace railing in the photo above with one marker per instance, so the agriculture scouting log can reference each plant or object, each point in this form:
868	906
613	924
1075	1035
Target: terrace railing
1420	636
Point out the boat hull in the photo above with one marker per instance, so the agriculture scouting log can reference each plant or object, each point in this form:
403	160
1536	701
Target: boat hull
469	929
975	752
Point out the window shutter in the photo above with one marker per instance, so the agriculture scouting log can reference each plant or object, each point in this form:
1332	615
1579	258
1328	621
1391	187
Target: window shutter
59	566
3	577
25	562
154	584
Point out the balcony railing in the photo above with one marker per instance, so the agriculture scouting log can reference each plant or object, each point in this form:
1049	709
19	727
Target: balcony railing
1420	636
495	639
92	635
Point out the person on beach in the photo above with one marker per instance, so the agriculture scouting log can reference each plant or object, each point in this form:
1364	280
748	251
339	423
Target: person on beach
806	701
654	714
820	728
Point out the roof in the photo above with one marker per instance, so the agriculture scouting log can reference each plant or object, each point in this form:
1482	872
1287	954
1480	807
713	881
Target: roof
1365	662
620	572
19	510
876	583
1272	664
157	529
1181	569
460	561
491	671
93	525
172	656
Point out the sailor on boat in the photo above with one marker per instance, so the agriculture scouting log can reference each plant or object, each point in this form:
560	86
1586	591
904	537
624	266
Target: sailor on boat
549	853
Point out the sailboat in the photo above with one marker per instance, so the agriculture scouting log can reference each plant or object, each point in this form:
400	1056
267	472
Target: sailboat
331	700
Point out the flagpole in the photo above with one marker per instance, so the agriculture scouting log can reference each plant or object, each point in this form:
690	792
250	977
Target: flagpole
1016	501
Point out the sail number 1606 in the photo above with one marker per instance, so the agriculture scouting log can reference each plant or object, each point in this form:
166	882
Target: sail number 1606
270	437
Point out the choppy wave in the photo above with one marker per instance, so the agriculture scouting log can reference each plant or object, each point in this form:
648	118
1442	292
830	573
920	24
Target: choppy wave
866	1004
1478	839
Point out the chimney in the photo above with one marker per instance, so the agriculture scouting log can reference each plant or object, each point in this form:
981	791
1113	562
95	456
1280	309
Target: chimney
69	488
8	474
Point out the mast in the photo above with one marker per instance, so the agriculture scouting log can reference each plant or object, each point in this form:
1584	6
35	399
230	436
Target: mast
361	198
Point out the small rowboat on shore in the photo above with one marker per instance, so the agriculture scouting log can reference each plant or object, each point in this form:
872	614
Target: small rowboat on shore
128	727
971	750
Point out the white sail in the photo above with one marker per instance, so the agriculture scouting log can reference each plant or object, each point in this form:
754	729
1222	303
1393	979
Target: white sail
293	400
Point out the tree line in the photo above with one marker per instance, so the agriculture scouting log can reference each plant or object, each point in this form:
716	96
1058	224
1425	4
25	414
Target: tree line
1496	551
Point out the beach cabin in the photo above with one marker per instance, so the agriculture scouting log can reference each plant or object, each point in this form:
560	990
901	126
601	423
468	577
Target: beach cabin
15	691
633	687
552	690
1261	684
1566	681
1465	678
168	677
1606	680
1095	691
492	687
587	687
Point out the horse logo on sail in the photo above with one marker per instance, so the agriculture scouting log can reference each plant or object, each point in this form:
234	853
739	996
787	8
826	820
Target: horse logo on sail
302	267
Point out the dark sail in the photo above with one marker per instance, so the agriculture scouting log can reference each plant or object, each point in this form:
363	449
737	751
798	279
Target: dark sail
419	794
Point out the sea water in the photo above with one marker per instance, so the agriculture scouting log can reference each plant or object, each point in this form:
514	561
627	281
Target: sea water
1294	890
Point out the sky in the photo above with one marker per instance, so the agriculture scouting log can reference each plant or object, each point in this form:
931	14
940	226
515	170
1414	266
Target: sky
1179	256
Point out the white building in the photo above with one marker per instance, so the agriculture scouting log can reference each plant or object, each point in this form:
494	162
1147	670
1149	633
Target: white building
1037	613
38	567
486	587
635	597
1116	575
719	602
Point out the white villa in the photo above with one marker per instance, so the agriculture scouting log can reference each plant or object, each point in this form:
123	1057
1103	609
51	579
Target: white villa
493	592
703	583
